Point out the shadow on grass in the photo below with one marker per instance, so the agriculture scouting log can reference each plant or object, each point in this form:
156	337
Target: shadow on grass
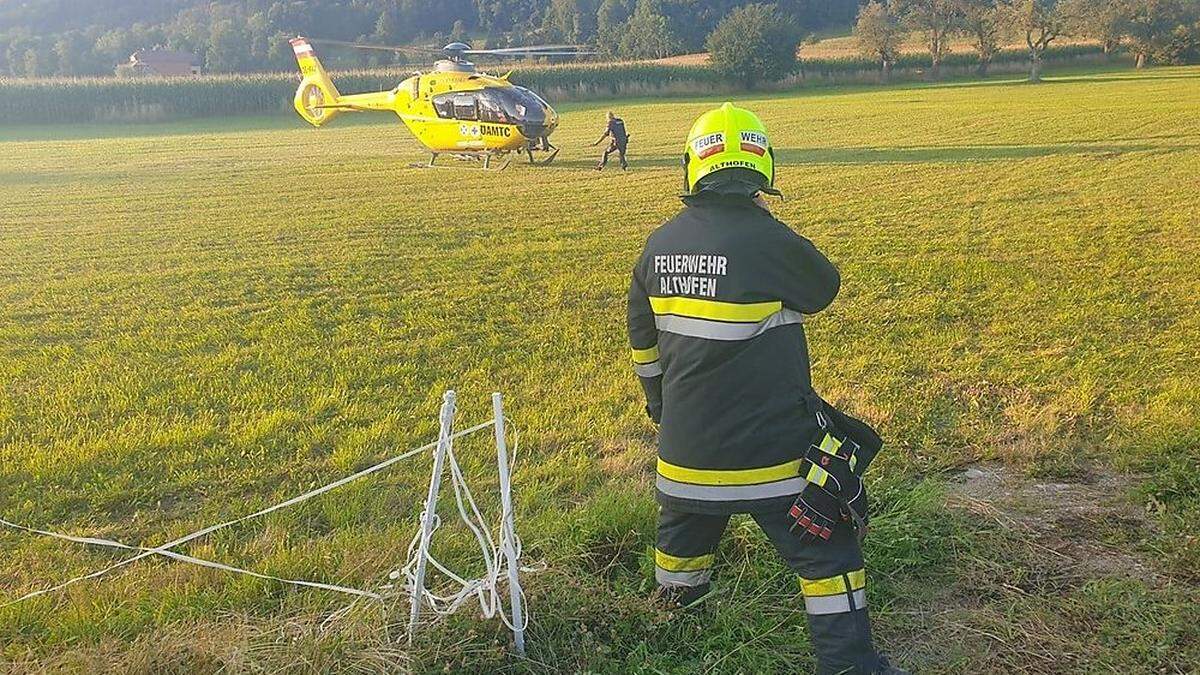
1116	77
911	155
1011	79
951	153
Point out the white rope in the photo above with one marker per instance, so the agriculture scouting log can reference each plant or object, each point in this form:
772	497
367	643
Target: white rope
165	551
485	588
92	541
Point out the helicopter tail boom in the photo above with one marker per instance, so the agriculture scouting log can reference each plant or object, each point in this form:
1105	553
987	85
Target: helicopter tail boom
317	99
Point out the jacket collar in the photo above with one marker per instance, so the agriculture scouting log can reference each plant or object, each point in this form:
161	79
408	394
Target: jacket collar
713	198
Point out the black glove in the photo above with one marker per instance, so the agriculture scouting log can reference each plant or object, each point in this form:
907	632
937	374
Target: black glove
839	459
834	463
814	514
835	489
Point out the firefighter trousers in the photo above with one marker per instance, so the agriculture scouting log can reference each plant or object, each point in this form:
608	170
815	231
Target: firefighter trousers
832	579
617	148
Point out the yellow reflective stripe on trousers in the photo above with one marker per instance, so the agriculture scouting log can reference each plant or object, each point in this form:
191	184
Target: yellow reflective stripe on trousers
673	570
744	312
766	474
834	585
644	356
674	563
831	594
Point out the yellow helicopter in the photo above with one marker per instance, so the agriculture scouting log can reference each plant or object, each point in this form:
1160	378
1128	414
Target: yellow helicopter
453	109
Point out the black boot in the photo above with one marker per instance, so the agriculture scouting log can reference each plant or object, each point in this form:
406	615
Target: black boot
682	597
886	668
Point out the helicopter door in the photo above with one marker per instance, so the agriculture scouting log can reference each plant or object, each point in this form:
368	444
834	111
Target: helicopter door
464	107
444	105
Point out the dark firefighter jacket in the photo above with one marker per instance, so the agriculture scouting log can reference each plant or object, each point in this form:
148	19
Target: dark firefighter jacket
716	307
616	131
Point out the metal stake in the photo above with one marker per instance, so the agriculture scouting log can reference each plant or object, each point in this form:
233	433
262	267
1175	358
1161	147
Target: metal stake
427	518
508	525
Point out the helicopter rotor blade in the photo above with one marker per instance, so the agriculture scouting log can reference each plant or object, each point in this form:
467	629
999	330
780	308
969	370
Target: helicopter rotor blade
536	48
534	54
384	48
523	52
503	52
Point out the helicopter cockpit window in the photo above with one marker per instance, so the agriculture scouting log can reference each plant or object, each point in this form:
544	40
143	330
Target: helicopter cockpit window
520	105
533	95
491	108
444	105
464	107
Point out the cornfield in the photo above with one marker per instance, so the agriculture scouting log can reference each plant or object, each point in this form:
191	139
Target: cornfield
64	100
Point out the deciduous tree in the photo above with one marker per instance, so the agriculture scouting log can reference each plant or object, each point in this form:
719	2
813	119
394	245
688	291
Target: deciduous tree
983	24
1150	26
648	34
611	17
754	44
1104	21
937	20
879	35
1040	22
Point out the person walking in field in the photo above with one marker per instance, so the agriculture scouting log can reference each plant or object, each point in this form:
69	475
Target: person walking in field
715	319
618	141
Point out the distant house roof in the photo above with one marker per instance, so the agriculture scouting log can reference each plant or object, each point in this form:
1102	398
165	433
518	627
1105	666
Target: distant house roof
164	62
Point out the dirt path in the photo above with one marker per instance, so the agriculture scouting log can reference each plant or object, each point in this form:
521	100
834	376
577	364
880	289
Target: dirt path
1018	600
1087	523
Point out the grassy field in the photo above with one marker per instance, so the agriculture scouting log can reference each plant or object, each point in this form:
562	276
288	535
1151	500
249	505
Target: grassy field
200	319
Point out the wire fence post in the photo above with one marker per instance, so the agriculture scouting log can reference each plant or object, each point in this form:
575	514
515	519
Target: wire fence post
427	517
508	526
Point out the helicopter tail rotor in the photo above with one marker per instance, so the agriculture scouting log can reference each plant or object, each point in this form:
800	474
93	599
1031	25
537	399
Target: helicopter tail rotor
316	97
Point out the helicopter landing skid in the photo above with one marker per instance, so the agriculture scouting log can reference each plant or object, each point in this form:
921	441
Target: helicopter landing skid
485	157
528	152
545	160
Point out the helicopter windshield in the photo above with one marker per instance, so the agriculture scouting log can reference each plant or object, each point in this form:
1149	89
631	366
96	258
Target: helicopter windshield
502	106
517	104
533	95
497	105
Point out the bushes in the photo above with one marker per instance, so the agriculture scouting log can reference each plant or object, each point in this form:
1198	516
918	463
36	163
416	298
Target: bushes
75	101
753	44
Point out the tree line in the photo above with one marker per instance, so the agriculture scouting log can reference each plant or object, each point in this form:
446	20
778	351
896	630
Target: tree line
70	38
1166	31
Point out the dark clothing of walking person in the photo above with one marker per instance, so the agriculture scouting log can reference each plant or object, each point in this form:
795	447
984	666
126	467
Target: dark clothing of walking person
618	141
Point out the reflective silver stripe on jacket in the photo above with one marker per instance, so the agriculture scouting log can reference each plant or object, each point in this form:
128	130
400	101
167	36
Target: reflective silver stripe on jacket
652	369
787	487
835	604
724	330
669	578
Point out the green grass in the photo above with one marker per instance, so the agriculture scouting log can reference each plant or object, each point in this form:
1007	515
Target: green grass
200	319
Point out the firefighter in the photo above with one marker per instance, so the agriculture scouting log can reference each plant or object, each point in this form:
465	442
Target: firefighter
618	141
715	317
